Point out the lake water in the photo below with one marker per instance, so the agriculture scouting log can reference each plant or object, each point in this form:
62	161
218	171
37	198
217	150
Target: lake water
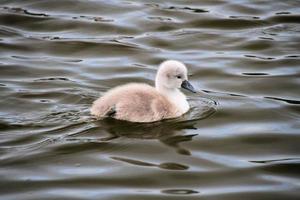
58	56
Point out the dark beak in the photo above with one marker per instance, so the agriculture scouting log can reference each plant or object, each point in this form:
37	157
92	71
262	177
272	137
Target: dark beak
186	85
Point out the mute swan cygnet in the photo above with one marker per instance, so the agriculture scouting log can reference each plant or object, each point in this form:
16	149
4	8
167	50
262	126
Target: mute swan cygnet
138	102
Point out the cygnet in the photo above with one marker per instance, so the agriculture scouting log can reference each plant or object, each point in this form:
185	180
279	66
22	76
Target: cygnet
139	102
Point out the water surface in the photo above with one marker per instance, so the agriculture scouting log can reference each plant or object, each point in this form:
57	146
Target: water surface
57	57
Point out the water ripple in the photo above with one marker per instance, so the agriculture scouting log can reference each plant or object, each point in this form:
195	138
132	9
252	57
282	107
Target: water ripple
239	140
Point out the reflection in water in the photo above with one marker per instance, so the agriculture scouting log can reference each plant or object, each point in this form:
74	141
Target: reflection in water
169	132
168	166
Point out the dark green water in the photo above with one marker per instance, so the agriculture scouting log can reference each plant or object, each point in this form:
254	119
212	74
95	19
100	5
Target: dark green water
57	57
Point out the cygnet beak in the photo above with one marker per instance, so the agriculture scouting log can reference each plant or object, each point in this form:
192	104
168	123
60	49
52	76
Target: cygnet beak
188	86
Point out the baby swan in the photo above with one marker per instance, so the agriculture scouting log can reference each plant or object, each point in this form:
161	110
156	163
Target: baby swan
138	102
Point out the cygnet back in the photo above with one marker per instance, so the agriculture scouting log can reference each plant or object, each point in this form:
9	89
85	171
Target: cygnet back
134	102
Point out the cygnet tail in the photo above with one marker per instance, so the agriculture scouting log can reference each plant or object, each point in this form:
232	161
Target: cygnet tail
102	109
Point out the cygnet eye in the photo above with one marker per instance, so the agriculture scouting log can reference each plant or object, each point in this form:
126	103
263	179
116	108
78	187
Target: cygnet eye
178	76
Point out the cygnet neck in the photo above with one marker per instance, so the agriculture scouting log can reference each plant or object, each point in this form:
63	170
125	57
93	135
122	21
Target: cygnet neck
175	96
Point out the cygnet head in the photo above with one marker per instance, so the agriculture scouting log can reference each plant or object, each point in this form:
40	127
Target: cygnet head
172	75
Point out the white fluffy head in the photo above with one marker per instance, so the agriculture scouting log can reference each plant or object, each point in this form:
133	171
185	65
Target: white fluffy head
171	74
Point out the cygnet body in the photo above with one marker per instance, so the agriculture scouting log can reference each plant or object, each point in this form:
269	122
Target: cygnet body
138	102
